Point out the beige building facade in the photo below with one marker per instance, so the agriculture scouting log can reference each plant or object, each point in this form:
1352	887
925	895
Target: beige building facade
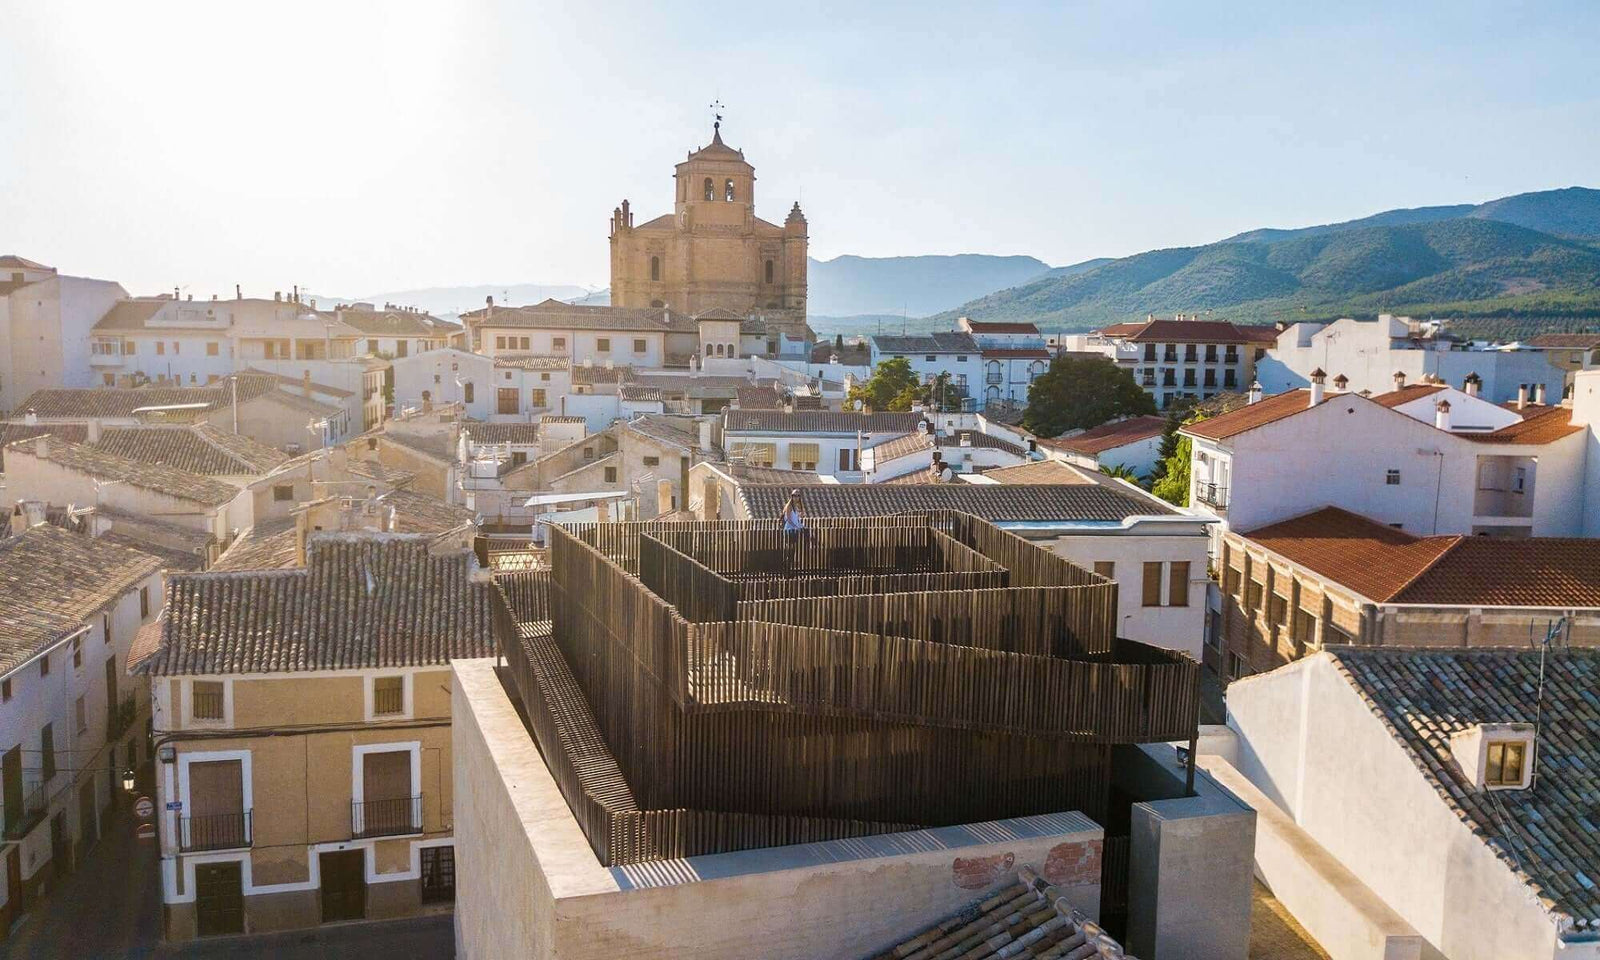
712	251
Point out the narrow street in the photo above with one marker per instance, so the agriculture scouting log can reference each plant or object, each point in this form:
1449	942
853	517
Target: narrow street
110	909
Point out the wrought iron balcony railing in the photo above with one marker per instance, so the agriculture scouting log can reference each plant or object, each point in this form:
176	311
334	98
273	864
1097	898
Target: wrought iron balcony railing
386	818
218	831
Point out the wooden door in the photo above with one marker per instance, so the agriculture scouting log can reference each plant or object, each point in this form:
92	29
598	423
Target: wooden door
17	901
344	885
216	815
218	898
386	793
11	776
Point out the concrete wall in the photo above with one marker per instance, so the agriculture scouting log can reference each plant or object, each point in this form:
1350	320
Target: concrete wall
1176	628
531	887
1312	746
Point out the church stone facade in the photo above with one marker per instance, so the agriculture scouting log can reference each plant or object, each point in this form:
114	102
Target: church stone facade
712	253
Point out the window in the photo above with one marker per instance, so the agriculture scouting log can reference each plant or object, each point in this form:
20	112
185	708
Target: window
558	343
388	696
518	458
129	348
1505	762
390	803
1236	667
1230	582
728	191
1519	480
769	271
205	699
652	461
655	269
603	344
711	189
536	397
804	456
77	653
44	665
1305	626
1106	568
1392	478
499	343
144	603
611	474
1152	584
930	358
400	347
1178	584
175	350
438	874
108	379
283	492
211	348
47	751
5	690
80	716
161	349
588	453
467	392
1278	609
508	399
719	349
846	459
522	343
639	345
1252	598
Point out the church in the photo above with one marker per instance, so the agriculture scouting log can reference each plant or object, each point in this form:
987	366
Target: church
712	253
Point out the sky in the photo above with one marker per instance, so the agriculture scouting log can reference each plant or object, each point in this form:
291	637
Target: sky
359	147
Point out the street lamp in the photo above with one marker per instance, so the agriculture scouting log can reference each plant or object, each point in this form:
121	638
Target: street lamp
128	780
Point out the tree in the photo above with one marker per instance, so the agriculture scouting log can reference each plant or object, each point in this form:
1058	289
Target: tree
1082	392
893	382
1169	447
1173	483
838	345
942	393
1121	471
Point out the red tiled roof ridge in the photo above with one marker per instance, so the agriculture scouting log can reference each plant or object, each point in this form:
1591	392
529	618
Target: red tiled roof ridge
1452	541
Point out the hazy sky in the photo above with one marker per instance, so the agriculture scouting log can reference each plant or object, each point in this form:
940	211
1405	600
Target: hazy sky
361	147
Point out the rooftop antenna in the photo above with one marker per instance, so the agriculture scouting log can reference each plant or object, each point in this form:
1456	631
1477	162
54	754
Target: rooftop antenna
1554	632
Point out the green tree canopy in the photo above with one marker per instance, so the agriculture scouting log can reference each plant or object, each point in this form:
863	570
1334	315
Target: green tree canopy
1171	475
892	386
1082	392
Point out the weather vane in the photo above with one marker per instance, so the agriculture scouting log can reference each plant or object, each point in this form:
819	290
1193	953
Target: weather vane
716	113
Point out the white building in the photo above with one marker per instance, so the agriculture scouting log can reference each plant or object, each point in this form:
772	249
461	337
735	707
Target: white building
45	324
70	718
1424	458
506	388
1014	355
1427	803
1370	352
816	441
955	353
1134	442
1185	357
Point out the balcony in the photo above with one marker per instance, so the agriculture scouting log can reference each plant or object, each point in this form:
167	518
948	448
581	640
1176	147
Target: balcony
1211	494
35	802
106	359
221	831
120	717
386	818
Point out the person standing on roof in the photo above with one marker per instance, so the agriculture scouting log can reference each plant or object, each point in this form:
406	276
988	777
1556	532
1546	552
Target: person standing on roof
794	522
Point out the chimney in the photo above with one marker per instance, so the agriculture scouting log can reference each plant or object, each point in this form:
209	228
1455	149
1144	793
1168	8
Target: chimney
92	431
1399	379
1319	382
1522	396
31	418
305	382
1255	391
1441	415
1340	382
19	521
297	293
705	436
663	497
710	504
277	296
41	447
1538	393
1471	385
238	294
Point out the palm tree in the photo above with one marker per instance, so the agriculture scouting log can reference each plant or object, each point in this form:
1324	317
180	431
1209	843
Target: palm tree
1121	472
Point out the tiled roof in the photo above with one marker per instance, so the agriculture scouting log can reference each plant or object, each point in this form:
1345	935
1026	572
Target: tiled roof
439	446
520	433
819	421
99	402
364	600
853	354
976	438
417	512
1374	560
327	390
131	314
1028	919
1406	394
1109	436
531	361
639	394
765	475
265	546
942	342
1038	473
1258	333
1568	341
13	261
390	323
601	374
1548	834
12	432
892	448
557	418
1001	326
1545	426
1264	411
102	465
759	398
990	502
662	430
555	315
195	448
1117	330
52	580
1188	331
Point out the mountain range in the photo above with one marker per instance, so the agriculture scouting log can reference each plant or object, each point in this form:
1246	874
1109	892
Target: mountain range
1533	255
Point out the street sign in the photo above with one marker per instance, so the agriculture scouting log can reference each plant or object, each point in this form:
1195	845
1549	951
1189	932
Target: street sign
143	808
147	831
174	804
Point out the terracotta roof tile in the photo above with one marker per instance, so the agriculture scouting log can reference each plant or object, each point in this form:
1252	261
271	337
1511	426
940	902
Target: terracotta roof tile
518	433
12	432
103	465
940	342
989	501
1548	834
1001	326
1264	411
1567	341
1545	426
1016	353
759	398
1029	918
195	448
363	600
1373	560
819	421
1109	436
1187	331
556	315
1038	473
1406	394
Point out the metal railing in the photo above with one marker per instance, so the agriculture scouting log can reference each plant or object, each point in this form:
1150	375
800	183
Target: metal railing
206	704
1211	494
386	818
217	831
387	700
35	801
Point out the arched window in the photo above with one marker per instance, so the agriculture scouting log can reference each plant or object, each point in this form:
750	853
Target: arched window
466	392
427	396
719	349
733	351
711	189
769	271
657	303
655	269
708	349
729	189
1035	369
